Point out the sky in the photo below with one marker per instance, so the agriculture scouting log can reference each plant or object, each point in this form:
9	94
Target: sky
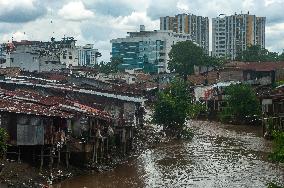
98	21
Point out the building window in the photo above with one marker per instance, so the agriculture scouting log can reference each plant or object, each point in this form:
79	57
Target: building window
70	57
64	56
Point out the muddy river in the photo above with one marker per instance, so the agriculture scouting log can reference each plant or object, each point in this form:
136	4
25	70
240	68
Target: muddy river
218	156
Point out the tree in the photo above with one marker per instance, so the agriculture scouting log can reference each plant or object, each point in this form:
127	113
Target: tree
109	67
241	102
183	56
281	56
172	107
255	53
209	61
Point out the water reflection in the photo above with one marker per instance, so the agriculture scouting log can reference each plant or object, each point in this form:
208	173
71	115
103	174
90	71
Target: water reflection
218	156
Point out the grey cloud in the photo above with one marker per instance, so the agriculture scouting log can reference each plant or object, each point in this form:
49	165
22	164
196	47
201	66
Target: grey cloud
7	27
21	14
98	32
160	8
110	7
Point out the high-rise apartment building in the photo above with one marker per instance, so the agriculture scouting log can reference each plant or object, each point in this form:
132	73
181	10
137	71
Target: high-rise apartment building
196	26
232	34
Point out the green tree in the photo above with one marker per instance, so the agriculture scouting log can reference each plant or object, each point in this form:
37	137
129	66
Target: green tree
109	67
241	102
209	61
3	142
183	56
255	53
172	107
281	56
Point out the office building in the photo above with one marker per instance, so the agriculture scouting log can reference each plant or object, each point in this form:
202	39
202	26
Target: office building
146	50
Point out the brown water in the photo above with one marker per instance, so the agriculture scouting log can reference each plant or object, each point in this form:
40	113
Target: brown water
218	156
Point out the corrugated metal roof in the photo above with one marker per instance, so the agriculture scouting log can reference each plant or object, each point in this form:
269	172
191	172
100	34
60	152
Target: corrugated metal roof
257	66
27	102
70	88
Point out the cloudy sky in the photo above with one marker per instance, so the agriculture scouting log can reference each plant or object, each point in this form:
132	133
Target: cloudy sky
98	21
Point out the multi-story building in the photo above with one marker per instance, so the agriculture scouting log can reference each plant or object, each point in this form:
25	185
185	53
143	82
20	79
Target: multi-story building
40	56
87	55
196	26
68	51
232	34
147	50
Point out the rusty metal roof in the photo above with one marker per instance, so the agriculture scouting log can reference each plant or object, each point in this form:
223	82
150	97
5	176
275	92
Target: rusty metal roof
28	102
257	66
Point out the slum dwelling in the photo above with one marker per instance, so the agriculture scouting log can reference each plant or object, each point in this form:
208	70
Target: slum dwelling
42	128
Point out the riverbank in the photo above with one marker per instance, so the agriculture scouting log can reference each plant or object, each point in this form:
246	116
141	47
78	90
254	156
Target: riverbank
24	175
219	155
21	175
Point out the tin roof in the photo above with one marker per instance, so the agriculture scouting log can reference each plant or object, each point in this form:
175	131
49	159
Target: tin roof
28	102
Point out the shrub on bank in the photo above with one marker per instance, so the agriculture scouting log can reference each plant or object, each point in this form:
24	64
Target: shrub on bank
278	147
3	142
241	103
172	108
273	185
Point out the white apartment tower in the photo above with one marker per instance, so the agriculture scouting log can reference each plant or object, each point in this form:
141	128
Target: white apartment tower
232	34
87	55
196	26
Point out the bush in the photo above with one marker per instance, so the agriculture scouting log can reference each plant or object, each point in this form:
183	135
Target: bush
273	185
3	142
172	107
196	109
241	102
187	134
278	147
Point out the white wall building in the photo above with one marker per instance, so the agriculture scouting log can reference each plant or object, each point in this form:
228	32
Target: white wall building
68	53
87	55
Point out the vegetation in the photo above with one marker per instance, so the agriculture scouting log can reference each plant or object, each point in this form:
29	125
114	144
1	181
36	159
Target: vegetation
278	147
172	108
279	83
273	185
3	142
281	56
195	109
241	103
110	67
184	55
255	53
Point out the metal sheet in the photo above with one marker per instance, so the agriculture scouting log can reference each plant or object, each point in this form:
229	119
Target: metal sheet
30	134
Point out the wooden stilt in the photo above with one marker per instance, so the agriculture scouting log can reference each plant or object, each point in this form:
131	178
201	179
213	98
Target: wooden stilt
33	156
41	158
94	152
107	150
102	150
19	154
124	148
67	156
51	160
59	156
